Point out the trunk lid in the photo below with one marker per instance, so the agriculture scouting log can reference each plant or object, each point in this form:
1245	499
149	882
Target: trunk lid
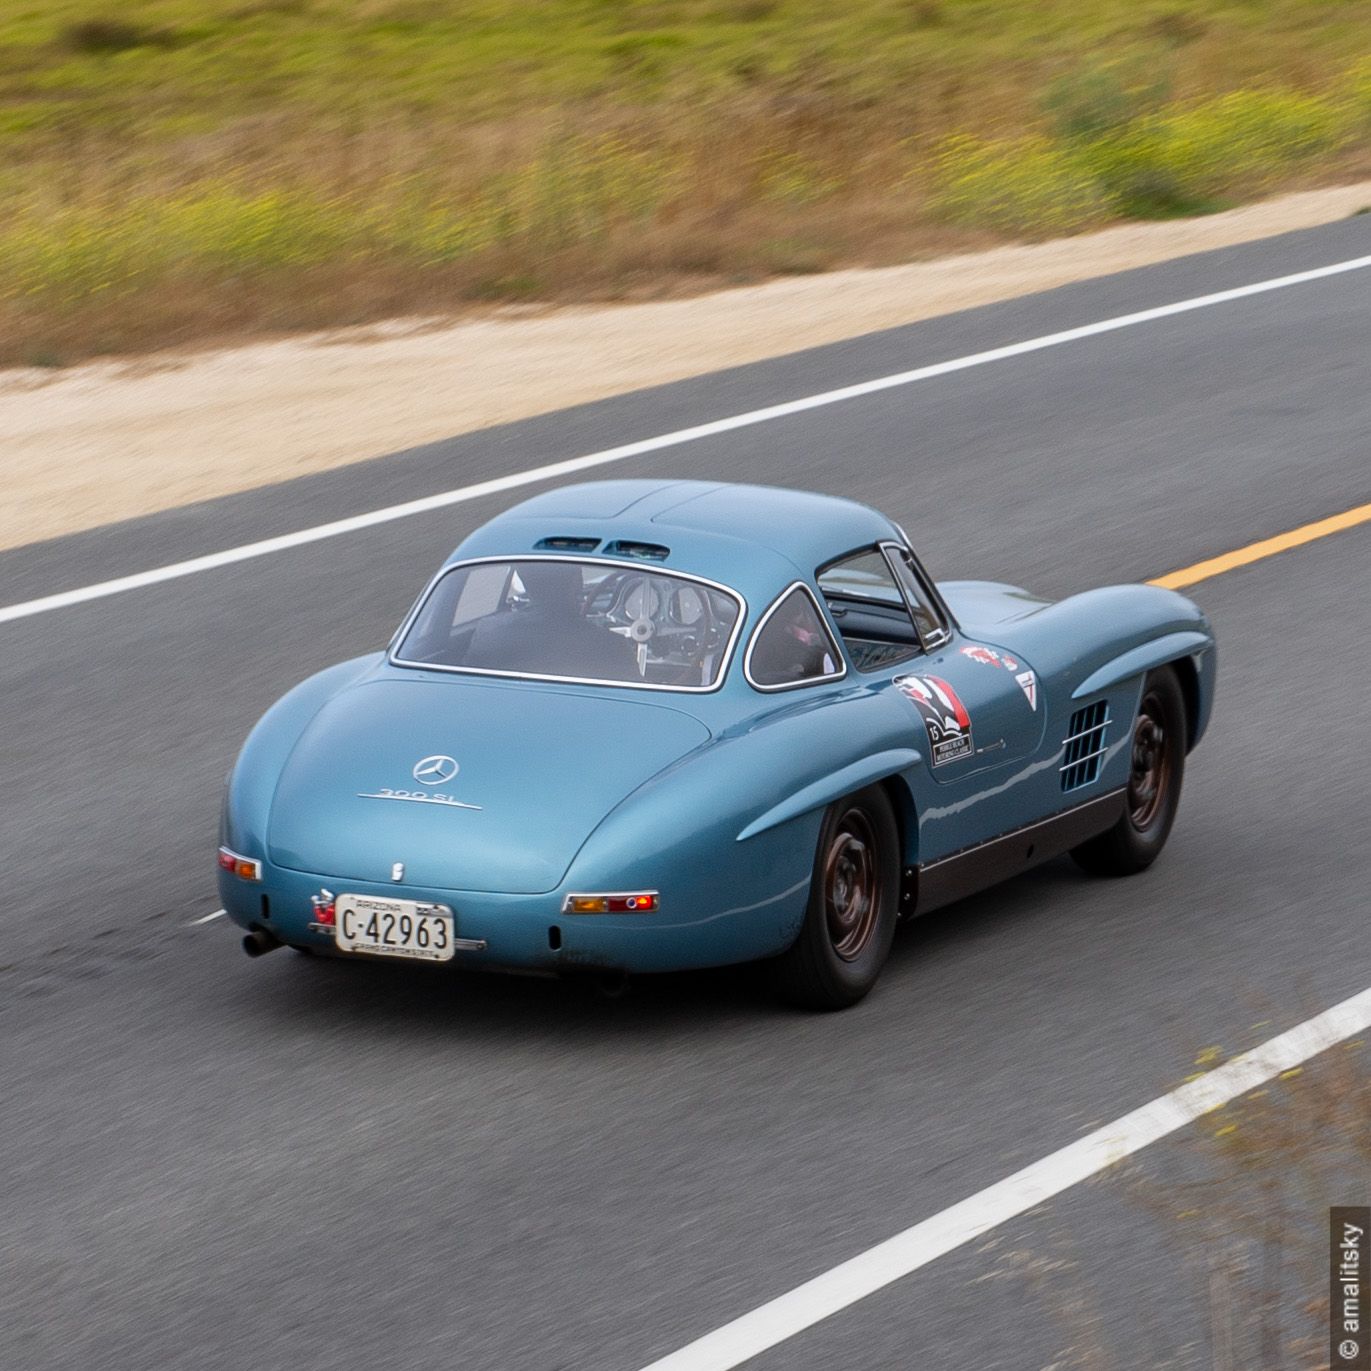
537	769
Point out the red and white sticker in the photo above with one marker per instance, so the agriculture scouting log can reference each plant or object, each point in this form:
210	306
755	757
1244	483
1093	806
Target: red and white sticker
978	652
945	717
1028	683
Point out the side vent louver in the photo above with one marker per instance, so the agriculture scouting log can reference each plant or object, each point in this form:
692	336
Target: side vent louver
1085	746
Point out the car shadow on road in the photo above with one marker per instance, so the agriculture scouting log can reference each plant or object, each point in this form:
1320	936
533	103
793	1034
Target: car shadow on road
405	999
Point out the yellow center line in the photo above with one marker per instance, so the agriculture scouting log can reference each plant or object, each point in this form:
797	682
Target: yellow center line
1268	547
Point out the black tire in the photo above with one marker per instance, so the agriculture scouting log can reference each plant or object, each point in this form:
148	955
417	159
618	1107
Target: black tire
854	898
1154	784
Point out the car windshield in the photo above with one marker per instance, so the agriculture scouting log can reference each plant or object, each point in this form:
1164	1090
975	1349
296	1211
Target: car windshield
606	623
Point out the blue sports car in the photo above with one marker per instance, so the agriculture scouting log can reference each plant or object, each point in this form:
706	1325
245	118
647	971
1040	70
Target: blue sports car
642	725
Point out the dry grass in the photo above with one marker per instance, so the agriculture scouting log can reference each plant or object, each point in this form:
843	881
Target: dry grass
1240	1201
179	174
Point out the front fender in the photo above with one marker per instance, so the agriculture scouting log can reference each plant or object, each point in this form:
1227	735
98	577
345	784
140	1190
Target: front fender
1104	638
1138	660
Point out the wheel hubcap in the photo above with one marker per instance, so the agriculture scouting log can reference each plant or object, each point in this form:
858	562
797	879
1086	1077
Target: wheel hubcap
1151	770
851	892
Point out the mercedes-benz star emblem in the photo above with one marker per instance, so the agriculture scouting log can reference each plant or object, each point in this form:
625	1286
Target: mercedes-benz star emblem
435	770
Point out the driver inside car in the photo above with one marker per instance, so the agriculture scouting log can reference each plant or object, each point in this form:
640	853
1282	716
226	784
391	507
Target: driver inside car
550	635
794	646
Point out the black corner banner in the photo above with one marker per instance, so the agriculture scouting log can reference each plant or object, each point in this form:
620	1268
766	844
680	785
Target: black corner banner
1349	1288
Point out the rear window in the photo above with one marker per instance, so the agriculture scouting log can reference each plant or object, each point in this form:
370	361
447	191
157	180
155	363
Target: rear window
564	619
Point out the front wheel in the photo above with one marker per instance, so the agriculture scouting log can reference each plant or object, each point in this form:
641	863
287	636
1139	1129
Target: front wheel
853	903
1154	784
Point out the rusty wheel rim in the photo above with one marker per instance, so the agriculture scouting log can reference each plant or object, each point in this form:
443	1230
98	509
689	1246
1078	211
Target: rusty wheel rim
1150	776
851	889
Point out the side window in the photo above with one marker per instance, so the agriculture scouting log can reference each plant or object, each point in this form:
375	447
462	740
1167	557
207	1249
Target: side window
870	611
792	646
928	617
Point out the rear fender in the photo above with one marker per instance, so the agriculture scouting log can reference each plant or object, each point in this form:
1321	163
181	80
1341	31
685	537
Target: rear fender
252	782
822	793
728	833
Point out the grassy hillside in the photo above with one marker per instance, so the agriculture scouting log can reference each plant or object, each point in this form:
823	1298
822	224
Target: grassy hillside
176	170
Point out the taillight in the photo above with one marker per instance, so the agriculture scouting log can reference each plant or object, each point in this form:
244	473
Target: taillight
246	868
632	902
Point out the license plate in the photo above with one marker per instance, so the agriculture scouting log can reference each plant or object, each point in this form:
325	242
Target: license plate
393	928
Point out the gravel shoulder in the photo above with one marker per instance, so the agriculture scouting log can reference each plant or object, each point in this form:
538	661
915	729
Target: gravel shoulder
114	440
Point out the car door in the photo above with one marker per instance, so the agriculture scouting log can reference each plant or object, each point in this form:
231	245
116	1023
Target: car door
974	709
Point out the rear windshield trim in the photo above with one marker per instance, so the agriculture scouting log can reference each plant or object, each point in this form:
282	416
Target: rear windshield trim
620	563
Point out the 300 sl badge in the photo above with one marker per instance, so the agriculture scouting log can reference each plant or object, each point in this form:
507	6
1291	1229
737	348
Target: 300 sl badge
435	770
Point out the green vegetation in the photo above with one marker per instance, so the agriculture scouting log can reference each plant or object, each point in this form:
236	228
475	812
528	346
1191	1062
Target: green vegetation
176	170
1186	159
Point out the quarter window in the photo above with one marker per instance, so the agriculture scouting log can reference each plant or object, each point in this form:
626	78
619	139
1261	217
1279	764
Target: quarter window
793	645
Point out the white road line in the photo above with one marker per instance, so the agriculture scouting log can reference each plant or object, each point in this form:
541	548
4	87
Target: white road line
218	914
906	1252
575	465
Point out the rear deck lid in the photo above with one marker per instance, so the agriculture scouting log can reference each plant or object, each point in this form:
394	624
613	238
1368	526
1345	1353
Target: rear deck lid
472	785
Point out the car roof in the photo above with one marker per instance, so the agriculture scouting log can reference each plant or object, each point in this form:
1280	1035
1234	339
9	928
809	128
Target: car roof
753	537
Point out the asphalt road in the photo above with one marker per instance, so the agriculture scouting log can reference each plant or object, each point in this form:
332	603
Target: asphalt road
211	1162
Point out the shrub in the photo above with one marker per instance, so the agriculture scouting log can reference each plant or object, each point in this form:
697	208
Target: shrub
1187	159
103	36
1099	100
1024	185
1359	95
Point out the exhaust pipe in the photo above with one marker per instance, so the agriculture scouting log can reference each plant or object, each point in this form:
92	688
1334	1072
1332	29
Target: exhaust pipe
259	942
612	985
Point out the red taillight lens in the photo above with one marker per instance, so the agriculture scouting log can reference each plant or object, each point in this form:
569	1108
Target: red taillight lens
633	904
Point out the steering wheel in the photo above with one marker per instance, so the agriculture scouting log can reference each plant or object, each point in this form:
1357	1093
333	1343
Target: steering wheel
638	601
676	622
689	626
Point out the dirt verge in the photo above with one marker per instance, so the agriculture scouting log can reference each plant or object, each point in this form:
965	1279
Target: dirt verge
111	440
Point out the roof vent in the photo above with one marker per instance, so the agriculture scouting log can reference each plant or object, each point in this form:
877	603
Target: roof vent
566	544
650	552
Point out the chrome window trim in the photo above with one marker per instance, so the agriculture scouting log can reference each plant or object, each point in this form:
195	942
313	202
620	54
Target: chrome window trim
944	634
619	564
879	548
838	654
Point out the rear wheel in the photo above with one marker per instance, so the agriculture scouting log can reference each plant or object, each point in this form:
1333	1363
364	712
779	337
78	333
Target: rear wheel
1154	784
853	903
